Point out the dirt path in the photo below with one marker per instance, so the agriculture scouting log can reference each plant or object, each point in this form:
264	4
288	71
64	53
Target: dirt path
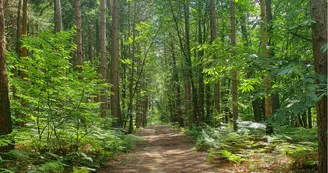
163	150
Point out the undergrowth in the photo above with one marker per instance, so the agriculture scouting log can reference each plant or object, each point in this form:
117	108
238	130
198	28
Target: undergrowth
289	149
94	152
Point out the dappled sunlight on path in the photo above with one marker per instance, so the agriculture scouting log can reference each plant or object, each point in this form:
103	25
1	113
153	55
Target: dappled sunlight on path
163	150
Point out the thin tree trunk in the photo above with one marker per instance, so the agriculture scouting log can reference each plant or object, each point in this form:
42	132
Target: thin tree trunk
18	48
178	111
90	44
114	70
234	89
5	117
213	37
78	35
318	10
200	54
132	68
309	118
23	53
103	59
18	26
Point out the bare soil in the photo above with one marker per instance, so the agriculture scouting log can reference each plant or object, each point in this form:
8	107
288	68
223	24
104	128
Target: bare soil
163	150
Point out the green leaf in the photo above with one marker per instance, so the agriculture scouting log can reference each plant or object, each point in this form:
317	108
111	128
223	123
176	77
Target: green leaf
324	48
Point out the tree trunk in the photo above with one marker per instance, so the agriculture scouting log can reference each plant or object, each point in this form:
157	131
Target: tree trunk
309	118
114	70
103	59
234	89
58	16
188	100
132	69
5	117
78	35
213	37
178	111
200	55
318	10
18	26
23	53
90	44
265	53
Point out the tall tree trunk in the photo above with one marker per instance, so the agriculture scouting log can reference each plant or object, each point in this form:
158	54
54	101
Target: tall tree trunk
318	10
103	59
234	89
18	48
269	17
78	34
190	85
114	70
90	44
178	111
58	16
18	26
213	37
265	53
200	55
23	53
5	117
132	67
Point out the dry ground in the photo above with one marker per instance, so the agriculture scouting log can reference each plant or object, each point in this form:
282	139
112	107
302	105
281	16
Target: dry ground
163	150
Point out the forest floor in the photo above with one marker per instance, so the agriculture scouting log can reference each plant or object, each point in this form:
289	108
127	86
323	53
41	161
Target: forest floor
163	150
167	150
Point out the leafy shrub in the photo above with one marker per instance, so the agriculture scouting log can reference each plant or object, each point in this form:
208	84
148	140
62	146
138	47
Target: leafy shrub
62	117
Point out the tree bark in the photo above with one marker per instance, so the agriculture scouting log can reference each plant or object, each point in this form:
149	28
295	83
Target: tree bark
200	55
318	11
5	117
103	59
90	44
234	88
58	16
78	35
309	118
213	37
23	53
132	69
178	111
114	70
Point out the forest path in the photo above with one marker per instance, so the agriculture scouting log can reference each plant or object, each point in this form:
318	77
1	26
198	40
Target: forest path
164	150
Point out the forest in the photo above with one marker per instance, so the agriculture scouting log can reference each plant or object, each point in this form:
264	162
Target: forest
154	86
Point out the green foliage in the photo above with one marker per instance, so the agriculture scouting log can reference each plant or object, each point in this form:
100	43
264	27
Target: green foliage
289	147
52	167
63	123
81	170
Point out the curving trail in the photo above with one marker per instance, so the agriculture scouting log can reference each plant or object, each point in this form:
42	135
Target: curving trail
163	150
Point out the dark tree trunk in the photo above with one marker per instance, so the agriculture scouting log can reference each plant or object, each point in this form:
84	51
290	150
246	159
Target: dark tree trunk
309	118
5	117
257	110
318	10
178	111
